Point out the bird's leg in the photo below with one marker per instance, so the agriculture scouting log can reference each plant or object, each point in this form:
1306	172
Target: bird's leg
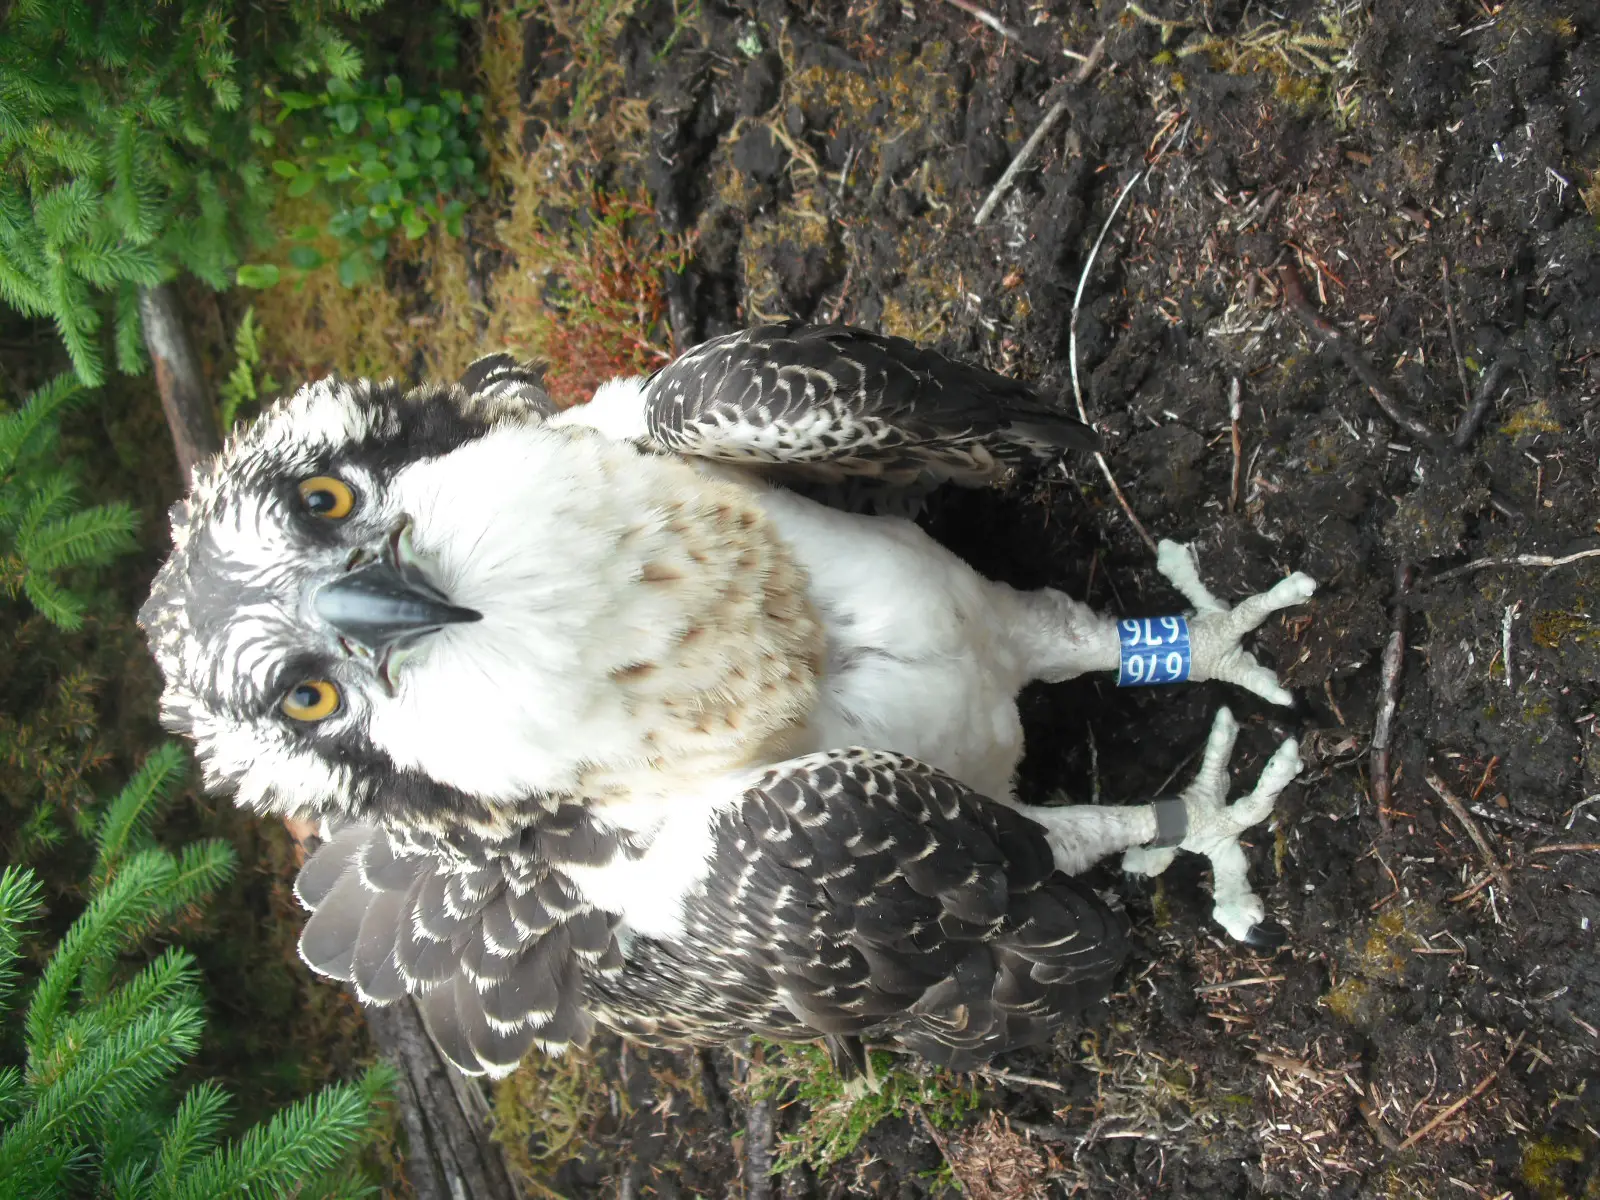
1199	820
1058	638
1213	826
1080	835
1215	630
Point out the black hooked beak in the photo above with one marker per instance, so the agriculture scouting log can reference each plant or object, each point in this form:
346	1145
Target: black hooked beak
386	604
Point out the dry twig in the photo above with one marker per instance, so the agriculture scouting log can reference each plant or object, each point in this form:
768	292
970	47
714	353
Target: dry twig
1473	417
1562	847
1513	560
1290	1066
1452	1110
1045	1133
1294	292
1455	336
1227	984
1380	1127
1362	369
944	1149
986	18
1235	411
1035	139
1460	810
1021	1080
1389	698
1072	356
1512	819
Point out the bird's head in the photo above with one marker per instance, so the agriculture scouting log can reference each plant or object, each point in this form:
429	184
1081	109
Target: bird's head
344	622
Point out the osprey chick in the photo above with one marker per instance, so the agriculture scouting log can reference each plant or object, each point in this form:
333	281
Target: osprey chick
605	720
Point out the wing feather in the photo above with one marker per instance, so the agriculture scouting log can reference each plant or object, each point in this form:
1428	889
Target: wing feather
495	947
497	385
857	893
828	402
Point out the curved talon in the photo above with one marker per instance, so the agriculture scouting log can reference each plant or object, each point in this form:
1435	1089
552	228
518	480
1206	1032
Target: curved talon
1266	936
1215	826
1215	629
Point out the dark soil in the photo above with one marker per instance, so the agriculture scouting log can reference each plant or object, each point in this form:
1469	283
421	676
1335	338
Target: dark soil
1421	168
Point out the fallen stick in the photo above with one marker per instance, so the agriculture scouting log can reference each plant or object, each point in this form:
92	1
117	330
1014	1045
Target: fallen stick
185	399
1036	139
1045	1133
1455	336
1072	356
1471	826
1512	560
1021	1080
1563	847
1235	411
1291	1066
1452	1110
1295	293
944	1151
758	1145
1389	697
986	18
1227	984
1473	417
1506	818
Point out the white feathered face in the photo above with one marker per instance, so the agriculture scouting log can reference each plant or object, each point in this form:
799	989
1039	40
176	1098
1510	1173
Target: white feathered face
357	610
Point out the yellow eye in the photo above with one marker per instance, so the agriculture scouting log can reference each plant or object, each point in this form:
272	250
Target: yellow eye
311	700
327	497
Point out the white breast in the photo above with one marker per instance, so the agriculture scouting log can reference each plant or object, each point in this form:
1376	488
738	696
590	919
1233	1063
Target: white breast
648	893
919	655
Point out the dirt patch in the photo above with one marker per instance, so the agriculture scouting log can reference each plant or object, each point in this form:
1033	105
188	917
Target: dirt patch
1428	173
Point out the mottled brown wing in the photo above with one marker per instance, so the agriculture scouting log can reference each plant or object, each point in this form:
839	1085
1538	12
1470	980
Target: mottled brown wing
828	401
499	385
863	893
494	946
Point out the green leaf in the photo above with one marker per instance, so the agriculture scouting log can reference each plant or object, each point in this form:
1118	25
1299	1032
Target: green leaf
428	146
306	258
258	275
302	184
289	170
355	268
347	117
399	119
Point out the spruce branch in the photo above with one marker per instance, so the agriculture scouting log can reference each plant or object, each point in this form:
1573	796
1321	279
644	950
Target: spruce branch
125	825
21	897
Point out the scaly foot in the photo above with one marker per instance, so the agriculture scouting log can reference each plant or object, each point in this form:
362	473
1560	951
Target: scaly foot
1215	629
1213	827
